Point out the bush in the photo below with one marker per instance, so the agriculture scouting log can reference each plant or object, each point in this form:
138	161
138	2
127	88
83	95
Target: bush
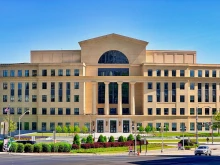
86	146
20	147
111	139
67	147
28	148
121	139
46	147
105	139
130	137
125	139
54	147
101	138
138	137
76	140
60	147
187	147
1	146
75	147
187	142
89	139
83	140
14	147
37	147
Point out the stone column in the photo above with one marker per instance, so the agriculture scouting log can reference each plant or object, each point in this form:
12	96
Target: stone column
119	98
106	98
132	101
94	101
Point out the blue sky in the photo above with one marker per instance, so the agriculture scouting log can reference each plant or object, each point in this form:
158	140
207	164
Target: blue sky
60	24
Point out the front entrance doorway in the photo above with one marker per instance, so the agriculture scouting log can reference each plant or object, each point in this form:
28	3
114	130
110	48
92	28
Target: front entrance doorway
126	126
100	126
113	126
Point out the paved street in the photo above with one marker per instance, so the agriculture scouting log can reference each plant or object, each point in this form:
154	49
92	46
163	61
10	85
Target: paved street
13	159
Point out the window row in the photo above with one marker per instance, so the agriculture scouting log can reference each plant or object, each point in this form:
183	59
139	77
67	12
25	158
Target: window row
44	72
207	73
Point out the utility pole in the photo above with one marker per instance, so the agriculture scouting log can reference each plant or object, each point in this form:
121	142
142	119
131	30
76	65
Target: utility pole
197	125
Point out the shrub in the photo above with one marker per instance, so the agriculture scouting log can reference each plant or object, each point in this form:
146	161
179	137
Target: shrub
129	143
101	138
76	140
14	147
188	147
111	139
121	139
20	147
86	146
46	147
66	147
125	139
83	140
37	147
89	139
54	147
60	147
28	148
106	145
1	146
75	147
105	139
130	137
138	137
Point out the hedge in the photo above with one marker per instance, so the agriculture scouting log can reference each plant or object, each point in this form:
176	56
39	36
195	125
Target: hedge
46	147
54	147
106	144
14	147
1	146
37	147
20	147
28	148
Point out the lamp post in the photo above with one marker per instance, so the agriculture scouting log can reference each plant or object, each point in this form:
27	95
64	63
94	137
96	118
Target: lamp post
19	127
135	136
183	128
162	130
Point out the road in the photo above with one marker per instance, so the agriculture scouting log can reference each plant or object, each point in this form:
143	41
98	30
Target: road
13	159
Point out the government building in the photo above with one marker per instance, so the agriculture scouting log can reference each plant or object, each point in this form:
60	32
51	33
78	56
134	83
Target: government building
113	83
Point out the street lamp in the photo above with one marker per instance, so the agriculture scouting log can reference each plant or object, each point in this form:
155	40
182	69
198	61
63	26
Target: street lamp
135	140
183	129
162	130
20	117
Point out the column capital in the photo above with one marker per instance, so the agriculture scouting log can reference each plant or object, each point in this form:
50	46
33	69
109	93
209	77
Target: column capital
132	82
120	82
106	82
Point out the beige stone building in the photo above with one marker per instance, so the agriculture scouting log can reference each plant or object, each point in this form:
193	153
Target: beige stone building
112	83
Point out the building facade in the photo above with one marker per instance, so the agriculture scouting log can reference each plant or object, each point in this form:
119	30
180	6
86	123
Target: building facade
112	83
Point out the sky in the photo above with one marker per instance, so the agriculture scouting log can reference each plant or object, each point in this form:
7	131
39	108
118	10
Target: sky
27	25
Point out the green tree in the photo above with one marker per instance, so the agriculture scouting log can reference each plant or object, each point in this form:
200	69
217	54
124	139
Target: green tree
83	140
121	139
84	129
101	138
76	139
105	139
71	129
148	129
65	129
216	123
58	129
89	139
12	125
111	139
76	129
130	137
141	129
138	137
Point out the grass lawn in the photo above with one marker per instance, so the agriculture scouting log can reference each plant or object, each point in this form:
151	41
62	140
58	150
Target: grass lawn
51	134
189	134
177	140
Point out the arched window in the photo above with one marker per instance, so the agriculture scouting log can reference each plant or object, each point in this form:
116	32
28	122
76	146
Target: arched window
113	57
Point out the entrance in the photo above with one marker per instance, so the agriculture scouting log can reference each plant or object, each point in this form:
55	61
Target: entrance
100	126
125	126
113	126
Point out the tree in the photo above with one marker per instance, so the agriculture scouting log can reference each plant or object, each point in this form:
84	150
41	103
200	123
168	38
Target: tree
130	137
141	129
89	139
148	129
138	137
121	139
76	139
12	125
216	123
84	129
76	129
111	139
101	138
83	140
58	129
65	129
71	129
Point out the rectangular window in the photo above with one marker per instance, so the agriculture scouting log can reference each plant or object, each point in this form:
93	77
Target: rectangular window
192	126
76	124
19	111
52	72
173	111
192	99
60	124
5	85
76	111
192	111
34	85
76	85
125	111
182	111
60	72
149	110
60	87
44	98
150	98
26	73
76	98
192	86
173	73
34	73
52	126
76	72
44	126
27	111
52	111
150	85
100	111
158	111
199	73
5	99
34	98
12	73
150	72
166	111
34	111
192	73
12	110
5	73
173	92
158	91
26	125
182	73
60	111
182	85
52	92
182	98
174	127
44	85
158	72
206	73
68	112
213	92
199	126
199	111
44	72
199	92
206	111
166	92
67	72
166	73
213	111
44	111
67	91
213	73
19	73
34	126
